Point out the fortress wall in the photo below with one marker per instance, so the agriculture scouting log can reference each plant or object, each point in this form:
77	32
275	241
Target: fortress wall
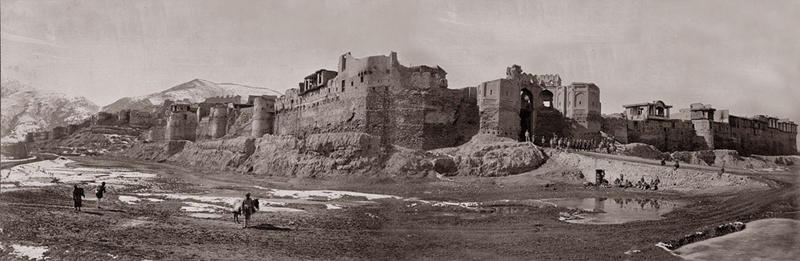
499	108
104	118
616	127
337	112
16	150
673	135
140	119
451	118
58	132
749	139
155	133
406	108
182	126
218	121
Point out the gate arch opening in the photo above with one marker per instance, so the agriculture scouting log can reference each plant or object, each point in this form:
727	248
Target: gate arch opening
525	115
547	98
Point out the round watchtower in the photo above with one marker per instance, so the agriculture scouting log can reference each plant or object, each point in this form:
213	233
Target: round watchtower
182	123
218	121
263	115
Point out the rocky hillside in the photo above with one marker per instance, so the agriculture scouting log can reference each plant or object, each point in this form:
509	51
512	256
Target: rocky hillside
196	90
341	154
25	109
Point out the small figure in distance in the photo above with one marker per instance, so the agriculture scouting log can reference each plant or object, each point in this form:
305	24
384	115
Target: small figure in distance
100	191
77	197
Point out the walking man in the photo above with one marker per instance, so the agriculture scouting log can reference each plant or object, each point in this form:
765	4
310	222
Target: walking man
100	191
247	209
77	196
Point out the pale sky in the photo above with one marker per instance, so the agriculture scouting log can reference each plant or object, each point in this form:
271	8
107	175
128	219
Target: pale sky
737	55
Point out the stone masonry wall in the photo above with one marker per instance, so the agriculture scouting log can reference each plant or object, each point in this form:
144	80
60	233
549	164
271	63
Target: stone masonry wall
671	135
748	140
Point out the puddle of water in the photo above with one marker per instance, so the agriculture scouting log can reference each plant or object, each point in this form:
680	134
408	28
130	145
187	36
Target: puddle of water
202	207
765	239
129	199
205	215
327	194
134	223
54	172
213	204
29	252
332	206
616	210
263	208
230	201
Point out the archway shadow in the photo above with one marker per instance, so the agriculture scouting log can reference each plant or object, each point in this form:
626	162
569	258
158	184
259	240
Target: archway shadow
265	226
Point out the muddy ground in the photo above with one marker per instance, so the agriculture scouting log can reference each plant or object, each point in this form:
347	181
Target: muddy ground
378	229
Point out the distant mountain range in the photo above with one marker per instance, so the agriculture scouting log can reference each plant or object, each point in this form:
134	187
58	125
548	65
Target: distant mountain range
196	90
26	109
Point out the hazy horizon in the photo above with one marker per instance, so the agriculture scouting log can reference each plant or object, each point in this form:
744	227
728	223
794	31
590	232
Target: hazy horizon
736	55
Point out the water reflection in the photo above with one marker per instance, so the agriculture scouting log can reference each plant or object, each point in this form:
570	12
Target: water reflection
601	210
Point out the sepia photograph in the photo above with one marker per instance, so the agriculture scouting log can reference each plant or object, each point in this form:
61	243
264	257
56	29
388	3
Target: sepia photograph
399	130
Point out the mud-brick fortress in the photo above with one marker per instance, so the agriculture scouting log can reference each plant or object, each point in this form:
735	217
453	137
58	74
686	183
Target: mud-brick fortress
701	127
413	107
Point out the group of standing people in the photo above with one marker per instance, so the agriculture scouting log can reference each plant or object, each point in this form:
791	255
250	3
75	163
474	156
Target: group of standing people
78	195
565	143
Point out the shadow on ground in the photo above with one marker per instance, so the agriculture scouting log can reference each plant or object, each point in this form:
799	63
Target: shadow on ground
270	227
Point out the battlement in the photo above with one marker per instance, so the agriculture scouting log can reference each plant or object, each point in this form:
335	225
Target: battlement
548	80
180	107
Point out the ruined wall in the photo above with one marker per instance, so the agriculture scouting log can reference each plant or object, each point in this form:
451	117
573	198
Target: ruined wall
240	122
670	135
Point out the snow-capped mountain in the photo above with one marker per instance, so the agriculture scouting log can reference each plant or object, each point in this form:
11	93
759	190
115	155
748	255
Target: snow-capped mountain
25	109
196	90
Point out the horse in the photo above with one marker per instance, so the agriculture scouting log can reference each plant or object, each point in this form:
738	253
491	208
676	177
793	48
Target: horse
237	209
